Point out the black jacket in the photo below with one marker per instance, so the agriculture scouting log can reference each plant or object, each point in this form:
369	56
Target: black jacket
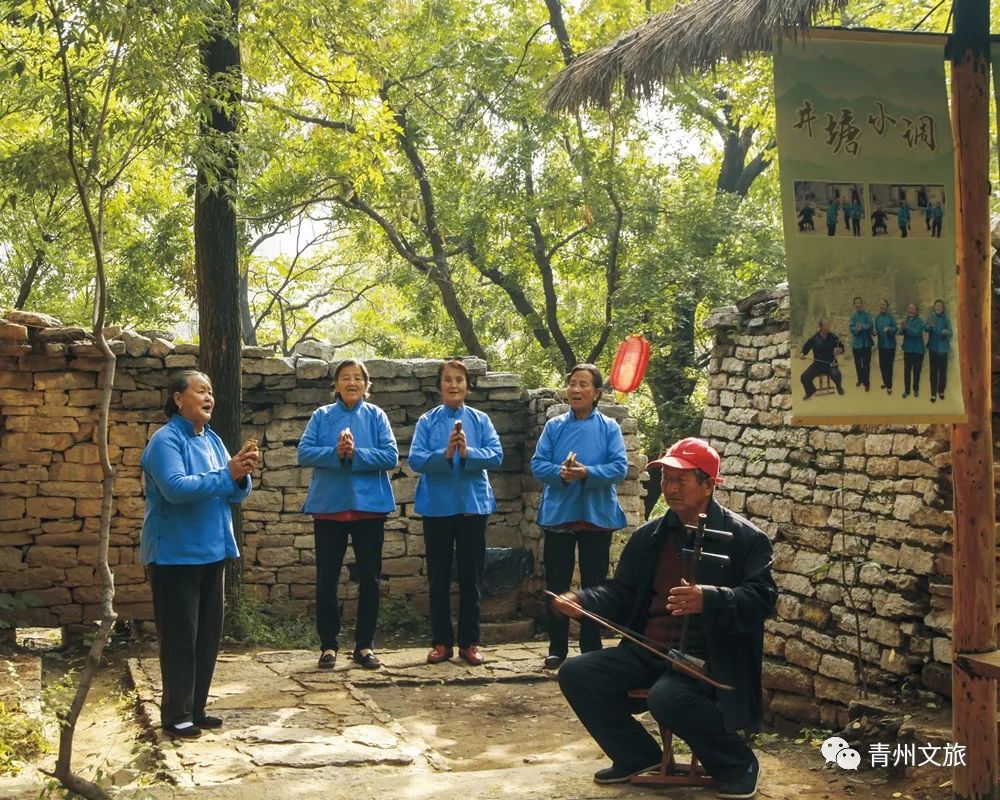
738	597
825	351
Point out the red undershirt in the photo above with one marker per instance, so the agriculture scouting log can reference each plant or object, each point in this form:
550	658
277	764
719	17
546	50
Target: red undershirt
351	515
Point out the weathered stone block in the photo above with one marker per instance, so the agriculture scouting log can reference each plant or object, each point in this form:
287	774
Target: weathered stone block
159	347
389	368
276	556
786	678
180	361
142	399
828	689
50	507
794	707
285	431
916	560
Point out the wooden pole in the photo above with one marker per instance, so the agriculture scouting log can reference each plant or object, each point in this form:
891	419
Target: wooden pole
974	696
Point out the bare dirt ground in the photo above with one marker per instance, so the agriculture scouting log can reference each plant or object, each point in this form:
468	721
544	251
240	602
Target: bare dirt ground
408	731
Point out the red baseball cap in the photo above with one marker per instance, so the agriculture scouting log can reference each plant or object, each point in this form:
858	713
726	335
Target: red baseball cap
691	453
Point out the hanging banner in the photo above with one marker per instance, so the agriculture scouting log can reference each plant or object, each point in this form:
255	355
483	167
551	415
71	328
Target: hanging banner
867	177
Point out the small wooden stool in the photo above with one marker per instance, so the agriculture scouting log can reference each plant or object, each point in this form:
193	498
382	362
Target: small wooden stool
824	384
671	773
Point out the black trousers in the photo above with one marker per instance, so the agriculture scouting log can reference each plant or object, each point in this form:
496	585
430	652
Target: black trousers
939	371
462	538
187	606
936	229
559	555
912	363
366	537
597	685
856	226
813	371
863	365
885	365
831	230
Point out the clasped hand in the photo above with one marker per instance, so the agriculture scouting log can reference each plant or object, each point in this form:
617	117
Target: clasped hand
345	445
456	442
572	470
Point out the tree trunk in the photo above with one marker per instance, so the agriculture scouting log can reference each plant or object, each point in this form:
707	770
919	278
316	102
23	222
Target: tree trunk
63	770
29	279
216	250
974	627
246	316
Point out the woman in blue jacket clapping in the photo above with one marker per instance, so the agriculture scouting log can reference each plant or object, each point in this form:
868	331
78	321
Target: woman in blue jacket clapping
579	459
453	446
350	446
938	346
187	534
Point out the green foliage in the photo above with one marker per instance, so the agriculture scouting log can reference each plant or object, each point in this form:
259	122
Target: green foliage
21	740
12	603
129	77
252	622
398	616
400	154
58	695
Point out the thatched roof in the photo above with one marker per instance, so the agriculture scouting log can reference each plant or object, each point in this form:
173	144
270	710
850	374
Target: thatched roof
692	37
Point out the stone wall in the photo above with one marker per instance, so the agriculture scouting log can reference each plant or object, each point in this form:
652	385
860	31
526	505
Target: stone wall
50	479
861	524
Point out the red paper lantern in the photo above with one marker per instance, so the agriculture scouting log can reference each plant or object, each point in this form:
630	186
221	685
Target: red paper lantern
630	364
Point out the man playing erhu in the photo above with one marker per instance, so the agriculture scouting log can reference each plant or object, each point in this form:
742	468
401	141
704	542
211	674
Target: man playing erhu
727	602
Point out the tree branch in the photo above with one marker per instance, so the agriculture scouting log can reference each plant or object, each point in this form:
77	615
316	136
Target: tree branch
514	292
559	28
539	252
611	274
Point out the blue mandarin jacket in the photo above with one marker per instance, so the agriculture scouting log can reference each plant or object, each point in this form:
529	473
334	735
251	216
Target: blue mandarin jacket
599	446
458	486
361	483
188	493
936	326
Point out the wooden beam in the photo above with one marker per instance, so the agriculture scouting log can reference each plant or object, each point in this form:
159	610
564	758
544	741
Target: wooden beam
984	665
974	696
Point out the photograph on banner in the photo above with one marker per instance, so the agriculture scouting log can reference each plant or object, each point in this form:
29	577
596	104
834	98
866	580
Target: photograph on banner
871	336
838	208
915	211
865	161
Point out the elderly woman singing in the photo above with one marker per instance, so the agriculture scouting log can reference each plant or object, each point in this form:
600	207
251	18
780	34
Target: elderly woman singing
187	535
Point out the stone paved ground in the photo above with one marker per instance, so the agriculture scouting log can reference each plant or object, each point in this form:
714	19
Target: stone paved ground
282	713
409	731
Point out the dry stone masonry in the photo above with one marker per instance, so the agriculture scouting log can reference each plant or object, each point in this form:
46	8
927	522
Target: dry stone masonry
50	479
859	517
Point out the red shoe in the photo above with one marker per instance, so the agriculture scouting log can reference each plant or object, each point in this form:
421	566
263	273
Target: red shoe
439	653
472	655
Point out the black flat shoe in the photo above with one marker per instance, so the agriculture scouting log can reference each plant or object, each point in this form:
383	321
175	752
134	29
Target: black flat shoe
328	660
615	774
208	723
187	732
553	662
366	660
